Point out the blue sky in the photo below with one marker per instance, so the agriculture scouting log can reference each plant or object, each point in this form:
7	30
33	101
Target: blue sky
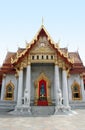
21	19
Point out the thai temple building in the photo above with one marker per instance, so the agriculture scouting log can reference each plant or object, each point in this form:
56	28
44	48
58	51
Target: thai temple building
33	78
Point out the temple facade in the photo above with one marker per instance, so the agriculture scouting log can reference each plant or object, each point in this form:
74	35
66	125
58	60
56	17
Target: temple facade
33	77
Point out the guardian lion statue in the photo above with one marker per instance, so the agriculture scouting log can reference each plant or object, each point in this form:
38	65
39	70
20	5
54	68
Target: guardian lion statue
59	97
26	99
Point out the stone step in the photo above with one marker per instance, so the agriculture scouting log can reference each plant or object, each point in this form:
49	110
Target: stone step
6	106
77	104
42	110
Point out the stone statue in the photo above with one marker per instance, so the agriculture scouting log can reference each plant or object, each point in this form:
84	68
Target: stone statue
26	99
59	97
42	90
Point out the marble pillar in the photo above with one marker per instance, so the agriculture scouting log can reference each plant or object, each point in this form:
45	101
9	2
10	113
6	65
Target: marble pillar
3	87
16	89
28	83
82	88
20	88
65	88
56	83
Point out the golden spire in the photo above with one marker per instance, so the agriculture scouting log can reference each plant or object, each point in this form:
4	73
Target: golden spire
77	49
42	21
7	49
17	45
58	43
59	40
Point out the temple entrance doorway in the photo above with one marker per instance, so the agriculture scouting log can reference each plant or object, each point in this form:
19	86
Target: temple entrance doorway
42	91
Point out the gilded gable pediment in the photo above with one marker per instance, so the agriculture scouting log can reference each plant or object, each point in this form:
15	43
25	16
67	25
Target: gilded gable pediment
42	49
42	46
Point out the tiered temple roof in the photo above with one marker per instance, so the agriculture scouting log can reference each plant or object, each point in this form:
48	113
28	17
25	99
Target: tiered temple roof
13	57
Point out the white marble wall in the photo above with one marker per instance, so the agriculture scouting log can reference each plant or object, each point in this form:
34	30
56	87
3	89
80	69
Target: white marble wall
71	79
8	78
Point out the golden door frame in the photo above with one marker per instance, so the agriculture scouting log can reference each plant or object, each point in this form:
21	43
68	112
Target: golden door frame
79	92
42	76
12	92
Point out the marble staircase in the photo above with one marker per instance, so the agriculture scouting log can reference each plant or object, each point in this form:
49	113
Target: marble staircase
42	110
6	106
77	104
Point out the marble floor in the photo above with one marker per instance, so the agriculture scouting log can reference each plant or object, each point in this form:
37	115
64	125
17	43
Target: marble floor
54	122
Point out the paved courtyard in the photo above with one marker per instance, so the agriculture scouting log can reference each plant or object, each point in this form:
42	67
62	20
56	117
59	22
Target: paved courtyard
54	122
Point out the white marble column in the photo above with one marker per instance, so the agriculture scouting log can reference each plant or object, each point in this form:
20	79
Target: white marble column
20	88
16	89
28	82
65	88
56	83
3	87
82	87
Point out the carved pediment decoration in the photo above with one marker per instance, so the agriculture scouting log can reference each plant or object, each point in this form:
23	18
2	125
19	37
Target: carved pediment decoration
42	46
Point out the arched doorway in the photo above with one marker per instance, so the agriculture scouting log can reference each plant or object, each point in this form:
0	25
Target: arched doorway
42	91
76	94
9	94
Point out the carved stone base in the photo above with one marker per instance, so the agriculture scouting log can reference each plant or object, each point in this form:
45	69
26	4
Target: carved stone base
22	110
63	110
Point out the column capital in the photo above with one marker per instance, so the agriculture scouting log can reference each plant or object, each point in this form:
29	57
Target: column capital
68	75
81	75
64	67
4	75
29	63
56	62
21	68
16	75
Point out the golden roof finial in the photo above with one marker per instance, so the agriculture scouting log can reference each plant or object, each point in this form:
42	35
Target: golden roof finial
42	20
17	45
77	49
58	43
7	49
67	45
11	60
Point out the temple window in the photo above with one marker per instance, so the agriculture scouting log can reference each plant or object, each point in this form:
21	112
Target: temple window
9	92
51	57
76	91
32	57
42	57
37	57
47	57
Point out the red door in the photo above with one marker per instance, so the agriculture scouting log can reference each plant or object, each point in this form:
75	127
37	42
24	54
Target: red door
42	101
